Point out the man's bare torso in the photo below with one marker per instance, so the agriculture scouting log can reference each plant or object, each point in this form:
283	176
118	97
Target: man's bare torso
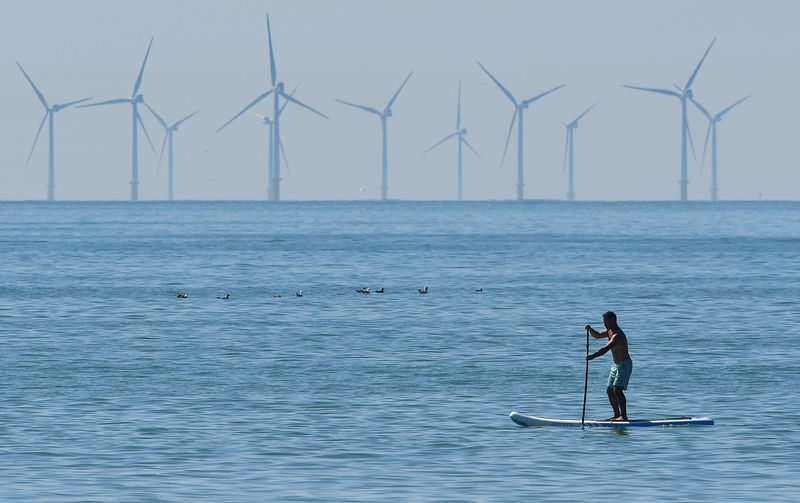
620	348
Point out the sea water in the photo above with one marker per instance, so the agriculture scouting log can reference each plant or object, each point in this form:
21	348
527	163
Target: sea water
114	389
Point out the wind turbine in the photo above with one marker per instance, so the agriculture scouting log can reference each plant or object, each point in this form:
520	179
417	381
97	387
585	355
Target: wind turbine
683	95
519	108
277	91
134	99
168	130
460	133
383	114
712	130
50	111
568	151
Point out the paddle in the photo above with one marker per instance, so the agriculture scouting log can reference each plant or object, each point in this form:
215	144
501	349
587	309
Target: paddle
585	381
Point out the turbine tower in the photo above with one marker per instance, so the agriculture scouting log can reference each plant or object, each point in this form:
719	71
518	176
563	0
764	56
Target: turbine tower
168	130
683	95
712	130
277	91
568	152
50	111
134	99
519	108
460	133
383	114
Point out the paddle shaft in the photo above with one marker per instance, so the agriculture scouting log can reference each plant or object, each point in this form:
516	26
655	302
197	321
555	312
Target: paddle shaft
585	381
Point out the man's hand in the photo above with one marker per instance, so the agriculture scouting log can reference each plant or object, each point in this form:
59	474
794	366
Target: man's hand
589	357
588	327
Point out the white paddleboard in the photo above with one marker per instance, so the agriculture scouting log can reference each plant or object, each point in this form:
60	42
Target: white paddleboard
524	420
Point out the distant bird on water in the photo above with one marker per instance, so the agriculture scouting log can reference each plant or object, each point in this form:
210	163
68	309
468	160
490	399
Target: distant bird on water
479	289
182	295
299	294
423	290
364	290
379	290
226	297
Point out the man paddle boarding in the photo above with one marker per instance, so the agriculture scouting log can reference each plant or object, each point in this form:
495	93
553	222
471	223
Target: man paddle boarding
622	367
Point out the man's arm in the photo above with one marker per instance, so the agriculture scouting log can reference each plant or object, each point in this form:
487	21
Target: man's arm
595	333
605	349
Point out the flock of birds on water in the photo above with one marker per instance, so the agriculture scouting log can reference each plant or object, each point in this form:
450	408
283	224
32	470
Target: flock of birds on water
363	290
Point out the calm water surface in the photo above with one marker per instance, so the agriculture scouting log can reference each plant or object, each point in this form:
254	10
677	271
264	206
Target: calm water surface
113	389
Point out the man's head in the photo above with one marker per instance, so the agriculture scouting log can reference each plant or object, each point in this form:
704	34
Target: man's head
610	319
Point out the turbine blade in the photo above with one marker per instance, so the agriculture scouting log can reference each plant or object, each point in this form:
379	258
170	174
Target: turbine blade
391	101
262	117
652	90
705	145
508	138
458	115
585	112
245	109
440	142
146	135
35	89
367	109
689	134
158	117
531	100
694	74
41	125
297	102
161	155
283	154
185	119
566	148
728	109
141	71
272	70
701	108
505	91
109	102
76	102
470	147
280	111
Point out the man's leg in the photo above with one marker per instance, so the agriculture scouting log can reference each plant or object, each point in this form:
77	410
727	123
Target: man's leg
612	398
621	408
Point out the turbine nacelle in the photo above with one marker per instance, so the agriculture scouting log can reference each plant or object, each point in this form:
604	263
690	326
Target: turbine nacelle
279	88
463	131
139	98
387	112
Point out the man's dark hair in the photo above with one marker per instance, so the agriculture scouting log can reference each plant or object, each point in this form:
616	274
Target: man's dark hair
610	316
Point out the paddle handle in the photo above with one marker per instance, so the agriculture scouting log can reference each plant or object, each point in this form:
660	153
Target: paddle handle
585	381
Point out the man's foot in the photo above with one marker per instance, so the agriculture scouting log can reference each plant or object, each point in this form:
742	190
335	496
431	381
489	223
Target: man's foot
611	419
617	418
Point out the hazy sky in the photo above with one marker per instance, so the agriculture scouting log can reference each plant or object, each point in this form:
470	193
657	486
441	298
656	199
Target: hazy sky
212	55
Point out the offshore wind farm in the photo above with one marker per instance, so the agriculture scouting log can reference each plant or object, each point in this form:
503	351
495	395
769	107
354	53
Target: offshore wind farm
343	158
